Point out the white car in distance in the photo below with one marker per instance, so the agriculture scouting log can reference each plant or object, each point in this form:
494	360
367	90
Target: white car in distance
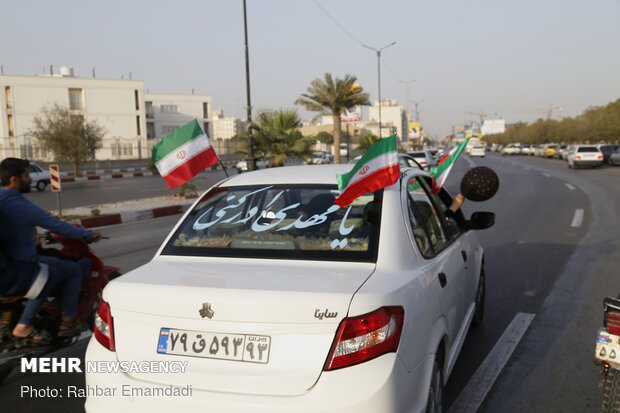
40	177
280	300
477	150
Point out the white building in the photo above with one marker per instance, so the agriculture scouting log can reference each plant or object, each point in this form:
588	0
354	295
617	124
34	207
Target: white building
165	112
226	128
393	118
117	105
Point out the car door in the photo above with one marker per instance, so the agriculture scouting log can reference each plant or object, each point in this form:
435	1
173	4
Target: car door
441	253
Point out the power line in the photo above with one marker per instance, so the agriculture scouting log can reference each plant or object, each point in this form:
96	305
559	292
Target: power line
338	24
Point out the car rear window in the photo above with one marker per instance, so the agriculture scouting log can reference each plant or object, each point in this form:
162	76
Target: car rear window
587	149
280	221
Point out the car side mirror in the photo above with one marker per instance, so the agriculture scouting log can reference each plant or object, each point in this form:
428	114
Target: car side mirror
481	220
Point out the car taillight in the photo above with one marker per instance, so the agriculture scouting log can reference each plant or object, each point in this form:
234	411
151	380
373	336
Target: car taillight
104	327
600	157
365	337
612	322
577	157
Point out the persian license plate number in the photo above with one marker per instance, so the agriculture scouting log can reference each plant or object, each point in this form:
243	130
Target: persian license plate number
223	346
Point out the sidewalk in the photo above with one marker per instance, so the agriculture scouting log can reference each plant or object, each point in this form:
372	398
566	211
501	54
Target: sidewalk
129	211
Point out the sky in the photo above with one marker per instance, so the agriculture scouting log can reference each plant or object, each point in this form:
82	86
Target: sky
508	59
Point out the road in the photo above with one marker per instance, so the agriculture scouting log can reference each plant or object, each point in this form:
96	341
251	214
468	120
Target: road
541	261
85	193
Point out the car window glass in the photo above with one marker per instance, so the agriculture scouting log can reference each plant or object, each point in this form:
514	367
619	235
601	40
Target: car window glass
587	149
425	220
280	221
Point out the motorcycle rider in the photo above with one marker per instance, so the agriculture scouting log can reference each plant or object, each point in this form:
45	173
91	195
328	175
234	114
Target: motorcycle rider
18	220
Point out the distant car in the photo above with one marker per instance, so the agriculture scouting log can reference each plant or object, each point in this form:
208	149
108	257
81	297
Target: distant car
511	149
567	151
585	155
559	151
477	150
40	178
549	150
424	158
322	157
242	166
275	299
614	158
607	150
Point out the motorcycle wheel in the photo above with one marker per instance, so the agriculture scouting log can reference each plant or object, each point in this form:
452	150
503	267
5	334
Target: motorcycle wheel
611	392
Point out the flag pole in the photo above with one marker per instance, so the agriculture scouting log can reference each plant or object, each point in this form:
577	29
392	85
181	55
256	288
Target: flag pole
223	167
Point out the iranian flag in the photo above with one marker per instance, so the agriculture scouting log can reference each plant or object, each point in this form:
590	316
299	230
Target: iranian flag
377	169
183	154
441	171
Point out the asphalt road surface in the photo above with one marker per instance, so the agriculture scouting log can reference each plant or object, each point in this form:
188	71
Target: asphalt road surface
545	262
85	193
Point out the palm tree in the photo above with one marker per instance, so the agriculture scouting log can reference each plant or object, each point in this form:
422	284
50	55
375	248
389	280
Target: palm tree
277	136
334	97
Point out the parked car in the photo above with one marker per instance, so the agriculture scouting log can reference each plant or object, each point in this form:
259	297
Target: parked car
607	150
511	149
424	158
279	300
559	151
40	178
549	149
242	166
567	151
322	157
539	150
585	155
614	158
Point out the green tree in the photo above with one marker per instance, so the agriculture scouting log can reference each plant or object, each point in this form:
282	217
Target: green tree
68	136
333	96
277	136
366	142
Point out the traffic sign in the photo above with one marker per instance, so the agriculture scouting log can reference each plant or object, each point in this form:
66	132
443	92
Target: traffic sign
55	178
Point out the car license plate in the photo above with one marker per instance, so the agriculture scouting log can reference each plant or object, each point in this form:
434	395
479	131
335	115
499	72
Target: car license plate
223	346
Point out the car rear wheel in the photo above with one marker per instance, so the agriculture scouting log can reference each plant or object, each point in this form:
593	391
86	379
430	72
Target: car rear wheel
435	391
41	186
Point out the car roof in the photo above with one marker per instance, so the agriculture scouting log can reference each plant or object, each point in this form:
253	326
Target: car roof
300	174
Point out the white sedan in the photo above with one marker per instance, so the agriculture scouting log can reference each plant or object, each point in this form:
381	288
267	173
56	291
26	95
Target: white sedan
268	297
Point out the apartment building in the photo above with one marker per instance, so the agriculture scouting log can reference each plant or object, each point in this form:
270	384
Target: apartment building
116	104
165	112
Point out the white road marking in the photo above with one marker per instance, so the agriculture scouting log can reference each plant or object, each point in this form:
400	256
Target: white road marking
479	385
577	219
569	186
547	175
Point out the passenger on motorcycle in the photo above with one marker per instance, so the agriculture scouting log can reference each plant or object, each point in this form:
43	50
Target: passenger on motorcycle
24	267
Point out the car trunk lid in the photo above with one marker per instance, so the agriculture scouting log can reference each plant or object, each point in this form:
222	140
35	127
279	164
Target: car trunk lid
277	319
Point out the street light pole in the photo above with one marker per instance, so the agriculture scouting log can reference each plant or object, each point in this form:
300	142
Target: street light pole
417	114
407	101
251	162
379	75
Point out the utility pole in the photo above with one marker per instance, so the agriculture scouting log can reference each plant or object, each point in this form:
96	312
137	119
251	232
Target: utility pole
251	162
379	75
407	101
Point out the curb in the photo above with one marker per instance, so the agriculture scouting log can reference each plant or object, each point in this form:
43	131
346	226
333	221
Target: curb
132	216
111	176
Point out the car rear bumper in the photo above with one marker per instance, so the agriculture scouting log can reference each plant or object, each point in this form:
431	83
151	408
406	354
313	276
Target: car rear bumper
588	163
382	385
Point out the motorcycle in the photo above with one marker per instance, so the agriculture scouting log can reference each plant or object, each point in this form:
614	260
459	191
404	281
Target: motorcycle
11	349
608	354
